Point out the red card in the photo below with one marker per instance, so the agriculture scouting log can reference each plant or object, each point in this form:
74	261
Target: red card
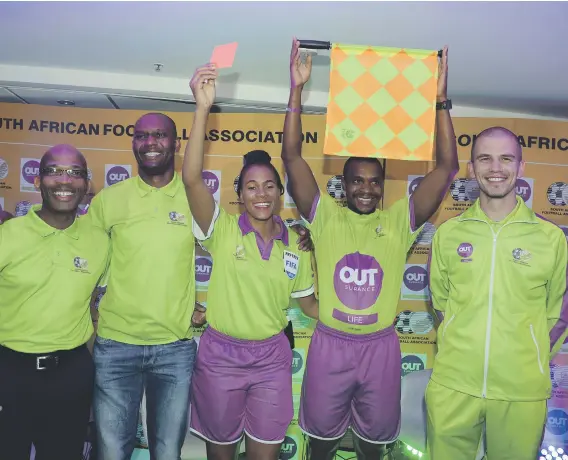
224	55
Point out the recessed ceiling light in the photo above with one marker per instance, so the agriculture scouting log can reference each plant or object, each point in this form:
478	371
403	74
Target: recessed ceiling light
66	102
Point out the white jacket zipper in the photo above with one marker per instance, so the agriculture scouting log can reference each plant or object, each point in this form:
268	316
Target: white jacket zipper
537	350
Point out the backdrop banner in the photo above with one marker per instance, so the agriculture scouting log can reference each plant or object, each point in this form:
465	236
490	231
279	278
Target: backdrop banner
104	136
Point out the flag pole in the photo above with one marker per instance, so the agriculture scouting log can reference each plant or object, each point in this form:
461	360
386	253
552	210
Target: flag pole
321	45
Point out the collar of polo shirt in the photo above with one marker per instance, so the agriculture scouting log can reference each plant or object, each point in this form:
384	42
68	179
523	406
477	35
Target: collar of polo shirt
44	229
246	227
170	190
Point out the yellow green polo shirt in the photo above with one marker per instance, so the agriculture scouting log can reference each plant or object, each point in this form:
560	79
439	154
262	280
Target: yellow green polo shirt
151	280
252	282
47	277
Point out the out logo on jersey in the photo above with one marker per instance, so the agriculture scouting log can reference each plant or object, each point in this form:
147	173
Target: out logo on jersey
557	422
465	250
358	280
212	180
117	173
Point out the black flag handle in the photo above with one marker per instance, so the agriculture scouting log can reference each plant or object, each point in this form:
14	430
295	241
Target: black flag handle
321	45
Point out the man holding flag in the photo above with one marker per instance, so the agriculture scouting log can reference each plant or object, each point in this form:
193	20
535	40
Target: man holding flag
352	373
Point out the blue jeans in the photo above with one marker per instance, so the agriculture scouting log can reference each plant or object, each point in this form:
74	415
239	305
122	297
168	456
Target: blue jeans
122	373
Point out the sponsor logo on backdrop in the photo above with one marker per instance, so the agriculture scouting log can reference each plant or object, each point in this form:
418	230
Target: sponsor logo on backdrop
415	283
559	376
29	170
117	173
289	448
203	268
424	240
2	204
89	174
335	188
557	422
557	197
3	169
212	179
22	208
411	363
413	182
414	327
288	201
524	189
298	364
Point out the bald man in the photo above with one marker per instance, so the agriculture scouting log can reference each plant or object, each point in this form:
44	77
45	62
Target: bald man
50	263
498	281
144	337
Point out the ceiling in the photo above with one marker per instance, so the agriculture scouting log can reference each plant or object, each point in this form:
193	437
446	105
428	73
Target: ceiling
503	55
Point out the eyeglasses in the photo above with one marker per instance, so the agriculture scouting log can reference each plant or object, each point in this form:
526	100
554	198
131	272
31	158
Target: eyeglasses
52	171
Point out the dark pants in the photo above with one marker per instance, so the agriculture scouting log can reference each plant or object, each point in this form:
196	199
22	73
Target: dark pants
45	402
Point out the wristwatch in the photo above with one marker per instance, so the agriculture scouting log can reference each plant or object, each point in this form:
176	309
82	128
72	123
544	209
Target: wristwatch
444	105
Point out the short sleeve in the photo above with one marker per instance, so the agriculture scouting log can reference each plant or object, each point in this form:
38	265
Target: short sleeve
324	209
304	281
96	212
401	215
219	226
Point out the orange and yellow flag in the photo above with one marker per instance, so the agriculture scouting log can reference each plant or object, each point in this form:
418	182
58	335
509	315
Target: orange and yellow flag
382	103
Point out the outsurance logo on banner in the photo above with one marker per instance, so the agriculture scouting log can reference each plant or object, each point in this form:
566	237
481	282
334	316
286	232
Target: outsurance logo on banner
298	360
415	283
117	173
212	179
29	170
203	268
557	422
524	189
289	448
411	363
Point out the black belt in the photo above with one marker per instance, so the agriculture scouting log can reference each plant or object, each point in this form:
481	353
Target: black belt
38	361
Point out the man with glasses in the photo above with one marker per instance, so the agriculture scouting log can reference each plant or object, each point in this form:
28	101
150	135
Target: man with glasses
50	263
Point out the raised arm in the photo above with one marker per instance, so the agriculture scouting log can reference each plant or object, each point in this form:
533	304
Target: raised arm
200	200
301	182
429	194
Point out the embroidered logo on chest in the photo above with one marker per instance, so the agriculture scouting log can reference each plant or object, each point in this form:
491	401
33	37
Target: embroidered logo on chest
81	265
177	218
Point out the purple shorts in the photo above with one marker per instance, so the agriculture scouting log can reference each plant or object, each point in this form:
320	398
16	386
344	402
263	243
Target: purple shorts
352	380
242	386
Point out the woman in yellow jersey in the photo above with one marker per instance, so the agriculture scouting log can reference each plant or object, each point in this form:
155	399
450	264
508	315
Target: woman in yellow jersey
242	382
